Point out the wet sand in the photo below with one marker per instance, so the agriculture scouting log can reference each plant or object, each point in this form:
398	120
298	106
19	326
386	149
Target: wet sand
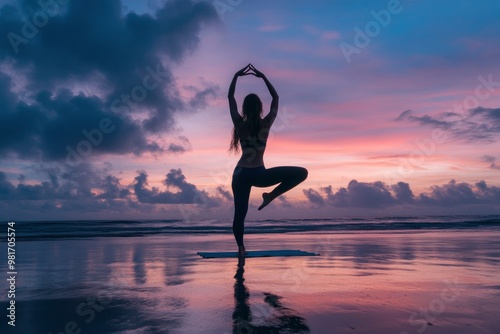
393	282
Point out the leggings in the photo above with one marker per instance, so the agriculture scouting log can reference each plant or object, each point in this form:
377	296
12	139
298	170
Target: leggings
243	180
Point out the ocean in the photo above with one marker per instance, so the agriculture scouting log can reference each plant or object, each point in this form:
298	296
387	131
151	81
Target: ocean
39	230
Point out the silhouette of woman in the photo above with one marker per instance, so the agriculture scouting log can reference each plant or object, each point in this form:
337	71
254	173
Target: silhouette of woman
251	132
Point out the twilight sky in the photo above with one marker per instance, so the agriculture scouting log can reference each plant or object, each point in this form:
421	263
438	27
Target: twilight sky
118	109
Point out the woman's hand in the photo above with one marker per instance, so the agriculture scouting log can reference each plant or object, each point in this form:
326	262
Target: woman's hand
257	73
244	71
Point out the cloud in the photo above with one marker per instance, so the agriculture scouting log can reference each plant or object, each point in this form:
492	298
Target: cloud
365	195
225	194
187	193
201	96
491	160
65	183
314	197
380	195
456	194
91	190
284	202
87	189
181	146
78	124
475	125
423	120
91	62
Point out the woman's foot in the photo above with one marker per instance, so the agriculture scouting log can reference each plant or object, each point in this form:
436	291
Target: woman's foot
266	199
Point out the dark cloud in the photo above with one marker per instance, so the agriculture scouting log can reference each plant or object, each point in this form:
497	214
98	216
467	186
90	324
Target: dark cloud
113	189
402	193
456	194
87	189
360	194
181	146
450	194
6	188
487	193
89	62
380	195
65	183
71	127
7	98
187	192
475	125
314	197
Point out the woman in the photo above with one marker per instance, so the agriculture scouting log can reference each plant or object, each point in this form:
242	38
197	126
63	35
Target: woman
251	132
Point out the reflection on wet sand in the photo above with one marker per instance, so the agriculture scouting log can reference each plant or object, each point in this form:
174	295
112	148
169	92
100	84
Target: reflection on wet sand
367	282
278	319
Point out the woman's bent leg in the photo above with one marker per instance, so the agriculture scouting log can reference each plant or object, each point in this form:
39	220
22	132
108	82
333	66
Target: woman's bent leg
287	177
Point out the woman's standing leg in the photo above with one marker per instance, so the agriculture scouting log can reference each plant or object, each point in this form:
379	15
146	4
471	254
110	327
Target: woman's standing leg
241	195
287	177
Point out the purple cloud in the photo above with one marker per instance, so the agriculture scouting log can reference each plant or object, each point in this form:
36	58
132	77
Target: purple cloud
476	125
380	195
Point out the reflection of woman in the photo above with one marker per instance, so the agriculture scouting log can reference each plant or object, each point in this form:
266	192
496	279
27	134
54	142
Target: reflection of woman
251	132
279	318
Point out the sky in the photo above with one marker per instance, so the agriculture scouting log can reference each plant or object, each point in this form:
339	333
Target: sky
118	109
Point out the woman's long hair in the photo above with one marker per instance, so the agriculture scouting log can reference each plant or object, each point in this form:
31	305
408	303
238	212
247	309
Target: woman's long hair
252	112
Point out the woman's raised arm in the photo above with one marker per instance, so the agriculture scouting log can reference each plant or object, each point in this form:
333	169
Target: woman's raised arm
275	102
233	107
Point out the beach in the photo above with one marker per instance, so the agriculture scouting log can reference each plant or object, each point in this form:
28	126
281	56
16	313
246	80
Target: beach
370	282
363	282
